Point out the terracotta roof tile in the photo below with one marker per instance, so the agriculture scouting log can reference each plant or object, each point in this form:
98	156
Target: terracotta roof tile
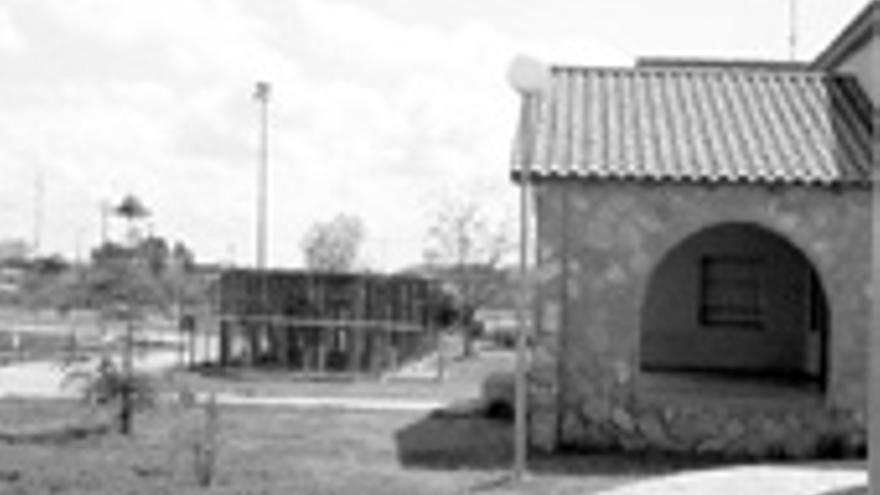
697	124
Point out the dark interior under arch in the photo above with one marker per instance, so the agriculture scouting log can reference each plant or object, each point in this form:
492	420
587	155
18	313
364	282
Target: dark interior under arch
740	302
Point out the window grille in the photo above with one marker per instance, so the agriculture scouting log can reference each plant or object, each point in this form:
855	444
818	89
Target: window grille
732	292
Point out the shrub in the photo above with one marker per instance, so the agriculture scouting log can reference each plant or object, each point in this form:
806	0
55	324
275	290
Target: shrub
108	385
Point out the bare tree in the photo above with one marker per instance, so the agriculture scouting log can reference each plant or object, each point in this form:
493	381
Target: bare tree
466	249
333	245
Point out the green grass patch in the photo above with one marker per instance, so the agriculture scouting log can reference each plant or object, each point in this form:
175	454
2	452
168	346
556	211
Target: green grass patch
281	450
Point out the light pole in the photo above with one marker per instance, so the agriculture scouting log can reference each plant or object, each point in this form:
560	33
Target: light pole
261	94
131	209
531	79
873	381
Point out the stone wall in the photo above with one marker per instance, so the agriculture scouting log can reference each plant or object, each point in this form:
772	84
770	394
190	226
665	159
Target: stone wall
598	244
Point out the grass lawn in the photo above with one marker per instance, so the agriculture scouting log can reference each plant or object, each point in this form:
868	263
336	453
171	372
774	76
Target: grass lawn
268	450
275	450
286	450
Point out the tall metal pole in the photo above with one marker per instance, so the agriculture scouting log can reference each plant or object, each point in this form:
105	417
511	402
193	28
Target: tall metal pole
520	427
262	96
39	198
104	210
531	79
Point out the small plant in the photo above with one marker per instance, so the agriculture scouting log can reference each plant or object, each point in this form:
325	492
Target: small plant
108	385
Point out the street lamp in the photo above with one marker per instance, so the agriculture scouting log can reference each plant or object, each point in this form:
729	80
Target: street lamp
531	79
261	94
131	209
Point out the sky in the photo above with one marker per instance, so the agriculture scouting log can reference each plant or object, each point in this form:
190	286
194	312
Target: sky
387	109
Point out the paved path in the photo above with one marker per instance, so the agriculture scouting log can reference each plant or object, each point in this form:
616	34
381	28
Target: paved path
46	379
750	480
336	403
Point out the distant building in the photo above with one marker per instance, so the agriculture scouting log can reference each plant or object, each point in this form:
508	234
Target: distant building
704	254
11	279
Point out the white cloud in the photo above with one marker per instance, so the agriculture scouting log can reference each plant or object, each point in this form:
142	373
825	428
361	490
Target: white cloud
12	40
368	115
452	115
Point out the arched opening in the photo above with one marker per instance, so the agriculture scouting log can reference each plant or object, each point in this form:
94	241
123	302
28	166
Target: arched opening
736	301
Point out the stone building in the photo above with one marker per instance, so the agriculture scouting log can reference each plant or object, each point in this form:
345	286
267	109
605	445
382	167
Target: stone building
704	253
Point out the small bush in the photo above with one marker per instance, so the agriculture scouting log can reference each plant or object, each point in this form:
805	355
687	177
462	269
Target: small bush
499	410
108	383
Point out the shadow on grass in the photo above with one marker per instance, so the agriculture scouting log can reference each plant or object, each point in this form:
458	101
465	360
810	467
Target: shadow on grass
57	432
274	373
443	441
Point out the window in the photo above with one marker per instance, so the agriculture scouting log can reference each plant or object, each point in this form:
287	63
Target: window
731	292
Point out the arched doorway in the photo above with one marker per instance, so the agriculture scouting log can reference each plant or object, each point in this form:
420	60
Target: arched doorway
736	300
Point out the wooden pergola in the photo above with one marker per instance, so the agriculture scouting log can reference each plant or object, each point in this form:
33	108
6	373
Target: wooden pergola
319	323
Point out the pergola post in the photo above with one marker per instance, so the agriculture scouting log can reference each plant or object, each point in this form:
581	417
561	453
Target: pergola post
192	348
282	345
254	342
321	349
355	348
224	343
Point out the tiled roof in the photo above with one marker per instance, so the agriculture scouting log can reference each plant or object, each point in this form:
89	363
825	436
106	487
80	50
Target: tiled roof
702	124
717	63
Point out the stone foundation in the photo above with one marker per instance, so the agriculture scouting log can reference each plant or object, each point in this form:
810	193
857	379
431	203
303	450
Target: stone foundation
758	430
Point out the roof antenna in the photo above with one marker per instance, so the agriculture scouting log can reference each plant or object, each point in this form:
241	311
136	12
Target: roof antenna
792	29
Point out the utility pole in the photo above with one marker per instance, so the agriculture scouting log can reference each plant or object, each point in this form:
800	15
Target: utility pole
39	196
77	243
103	212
